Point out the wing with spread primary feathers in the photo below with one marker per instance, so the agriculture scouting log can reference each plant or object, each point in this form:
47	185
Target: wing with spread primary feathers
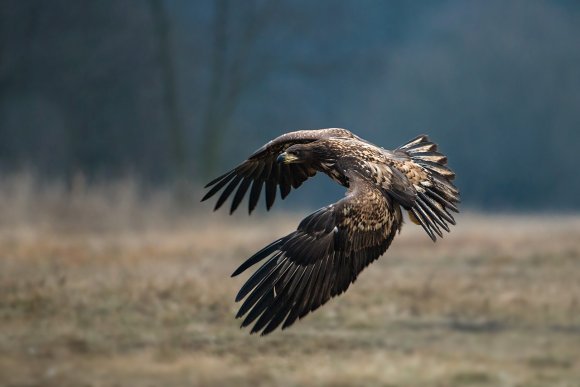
261	169
432	180
319	260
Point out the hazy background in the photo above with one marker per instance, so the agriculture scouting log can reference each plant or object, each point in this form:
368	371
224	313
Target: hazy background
168	89
114	113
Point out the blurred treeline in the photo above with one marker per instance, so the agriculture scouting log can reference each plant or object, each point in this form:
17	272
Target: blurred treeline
173	89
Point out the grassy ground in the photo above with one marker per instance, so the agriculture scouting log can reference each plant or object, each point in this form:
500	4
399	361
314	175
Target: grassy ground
100	287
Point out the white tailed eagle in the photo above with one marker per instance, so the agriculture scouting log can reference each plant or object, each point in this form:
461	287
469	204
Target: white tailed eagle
304	269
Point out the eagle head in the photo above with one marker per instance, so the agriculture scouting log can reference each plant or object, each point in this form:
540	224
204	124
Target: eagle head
304	153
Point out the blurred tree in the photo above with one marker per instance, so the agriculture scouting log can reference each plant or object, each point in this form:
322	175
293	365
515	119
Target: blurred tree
233	70
111	87
170	92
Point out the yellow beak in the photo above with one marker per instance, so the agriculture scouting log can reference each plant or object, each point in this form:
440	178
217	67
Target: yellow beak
285	158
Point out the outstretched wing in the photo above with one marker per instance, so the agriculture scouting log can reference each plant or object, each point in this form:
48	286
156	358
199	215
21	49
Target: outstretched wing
432	180
319	260
261	169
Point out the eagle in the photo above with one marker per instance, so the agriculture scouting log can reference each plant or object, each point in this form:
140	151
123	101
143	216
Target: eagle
304	269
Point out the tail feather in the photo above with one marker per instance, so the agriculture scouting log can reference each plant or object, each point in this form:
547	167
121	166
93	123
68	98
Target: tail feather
437	196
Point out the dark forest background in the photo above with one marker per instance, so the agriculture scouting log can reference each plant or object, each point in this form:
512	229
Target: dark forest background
170	90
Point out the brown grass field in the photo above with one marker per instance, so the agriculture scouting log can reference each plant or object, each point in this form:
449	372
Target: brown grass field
103	286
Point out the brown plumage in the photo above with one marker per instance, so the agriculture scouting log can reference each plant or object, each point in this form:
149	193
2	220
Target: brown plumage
333	245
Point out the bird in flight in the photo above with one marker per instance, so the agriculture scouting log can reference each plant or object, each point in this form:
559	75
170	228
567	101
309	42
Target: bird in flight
304	269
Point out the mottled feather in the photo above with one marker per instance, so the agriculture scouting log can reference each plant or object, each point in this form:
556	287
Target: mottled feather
306	268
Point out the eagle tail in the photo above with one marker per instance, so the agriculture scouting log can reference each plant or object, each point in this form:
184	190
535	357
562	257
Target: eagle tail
436	194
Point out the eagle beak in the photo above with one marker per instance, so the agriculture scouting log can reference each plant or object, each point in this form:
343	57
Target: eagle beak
285	158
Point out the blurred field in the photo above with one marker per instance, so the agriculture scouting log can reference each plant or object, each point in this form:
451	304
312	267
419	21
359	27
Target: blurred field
109	286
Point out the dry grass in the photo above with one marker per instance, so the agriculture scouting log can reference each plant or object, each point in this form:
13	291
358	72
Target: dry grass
103	286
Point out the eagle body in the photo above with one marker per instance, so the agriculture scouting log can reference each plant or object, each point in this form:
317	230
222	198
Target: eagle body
330	247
